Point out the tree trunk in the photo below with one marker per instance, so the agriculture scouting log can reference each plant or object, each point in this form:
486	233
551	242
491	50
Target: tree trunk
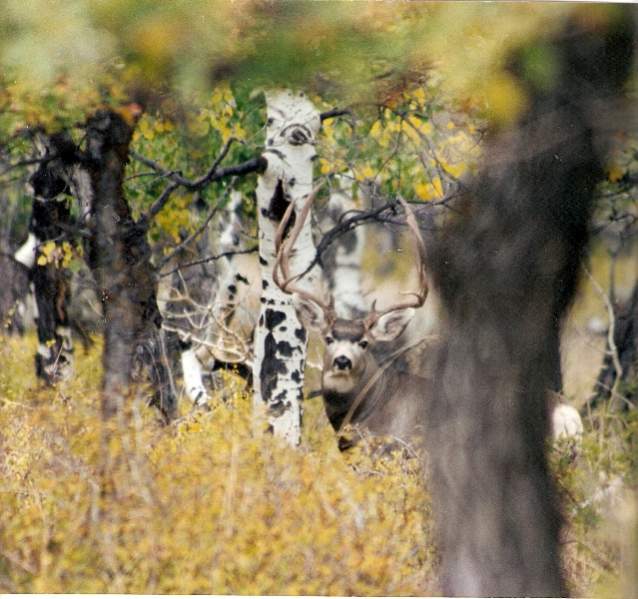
506	271
280	339
119	256
51	287
50	222
346	253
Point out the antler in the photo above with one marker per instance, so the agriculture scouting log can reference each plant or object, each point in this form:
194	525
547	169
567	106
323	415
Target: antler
283	248
419	296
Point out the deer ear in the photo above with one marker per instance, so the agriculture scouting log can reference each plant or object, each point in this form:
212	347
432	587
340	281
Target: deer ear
309	312
391	325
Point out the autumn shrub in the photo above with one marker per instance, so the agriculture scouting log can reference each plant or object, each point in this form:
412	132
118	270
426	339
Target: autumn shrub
210	505
597	480
206	505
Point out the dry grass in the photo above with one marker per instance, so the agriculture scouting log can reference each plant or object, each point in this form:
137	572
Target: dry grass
208	506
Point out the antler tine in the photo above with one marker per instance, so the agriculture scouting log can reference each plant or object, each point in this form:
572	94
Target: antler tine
284	246
422	293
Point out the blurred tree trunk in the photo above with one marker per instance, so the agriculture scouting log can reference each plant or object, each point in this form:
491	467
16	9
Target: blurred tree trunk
507	270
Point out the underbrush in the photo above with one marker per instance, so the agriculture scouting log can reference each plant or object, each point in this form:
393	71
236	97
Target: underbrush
597	480
208	505
205	505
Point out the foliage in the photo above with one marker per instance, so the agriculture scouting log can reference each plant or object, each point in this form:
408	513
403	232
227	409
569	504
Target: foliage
202	506
208	506
97	52
596	478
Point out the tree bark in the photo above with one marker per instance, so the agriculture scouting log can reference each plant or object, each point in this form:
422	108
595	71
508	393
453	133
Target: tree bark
280	339
50	222
506	271
346	253
119	256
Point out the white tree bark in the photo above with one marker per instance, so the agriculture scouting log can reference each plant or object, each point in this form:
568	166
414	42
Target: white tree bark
229	274
196	359
346	276
280	339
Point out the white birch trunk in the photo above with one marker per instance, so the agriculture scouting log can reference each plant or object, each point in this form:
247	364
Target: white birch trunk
223	305
346	276
229	241
280	339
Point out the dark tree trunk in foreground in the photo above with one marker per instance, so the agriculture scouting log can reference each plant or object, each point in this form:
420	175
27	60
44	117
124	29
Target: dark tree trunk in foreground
119	256
626	342
507	271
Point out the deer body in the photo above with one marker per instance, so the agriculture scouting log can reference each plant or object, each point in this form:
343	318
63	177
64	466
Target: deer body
392	407
356	389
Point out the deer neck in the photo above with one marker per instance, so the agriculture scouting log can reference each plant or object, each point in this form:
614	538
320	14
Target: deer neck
339	403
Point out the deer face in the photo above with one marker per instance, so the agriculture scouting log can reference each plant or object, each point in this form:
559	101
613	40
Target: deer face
347	357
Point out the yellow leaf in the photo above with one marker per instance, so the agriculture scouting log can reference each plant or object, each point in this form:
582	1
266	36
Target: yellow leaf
48	248
429	191
376	130
324	166
615	173
367	172
505	99
42	260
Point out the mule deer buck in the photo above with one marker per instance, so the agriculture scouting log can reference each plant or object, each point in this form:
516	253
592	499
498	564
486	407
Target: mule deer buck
356	389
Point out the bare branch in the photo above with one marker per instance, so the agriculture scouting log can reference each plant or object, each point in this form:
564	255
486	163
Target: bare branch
210	259
158	204
610	333
214	173
334	112
190	238
28	162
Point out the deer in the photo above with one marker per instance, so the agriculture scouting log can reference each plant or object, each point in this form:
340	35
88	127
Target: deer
357	390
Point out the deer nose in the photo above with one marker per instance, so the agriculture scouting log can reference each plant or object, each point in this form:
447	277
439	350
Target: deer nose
342	363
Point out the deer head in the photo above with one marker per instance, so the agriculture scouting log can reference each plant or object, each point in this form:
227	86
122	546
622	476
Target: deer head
347	356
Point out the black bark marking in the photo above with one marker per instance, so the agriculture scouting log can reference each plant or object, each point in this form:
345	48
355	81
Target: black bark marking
264	284
241	279
232	289
295	376
271	366
301	334
285	349
262	261
278	205
273	318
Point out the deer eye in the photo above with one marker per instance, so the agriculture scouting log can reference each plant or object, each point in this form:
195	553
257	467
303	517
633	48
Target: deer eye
363	344
329	339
